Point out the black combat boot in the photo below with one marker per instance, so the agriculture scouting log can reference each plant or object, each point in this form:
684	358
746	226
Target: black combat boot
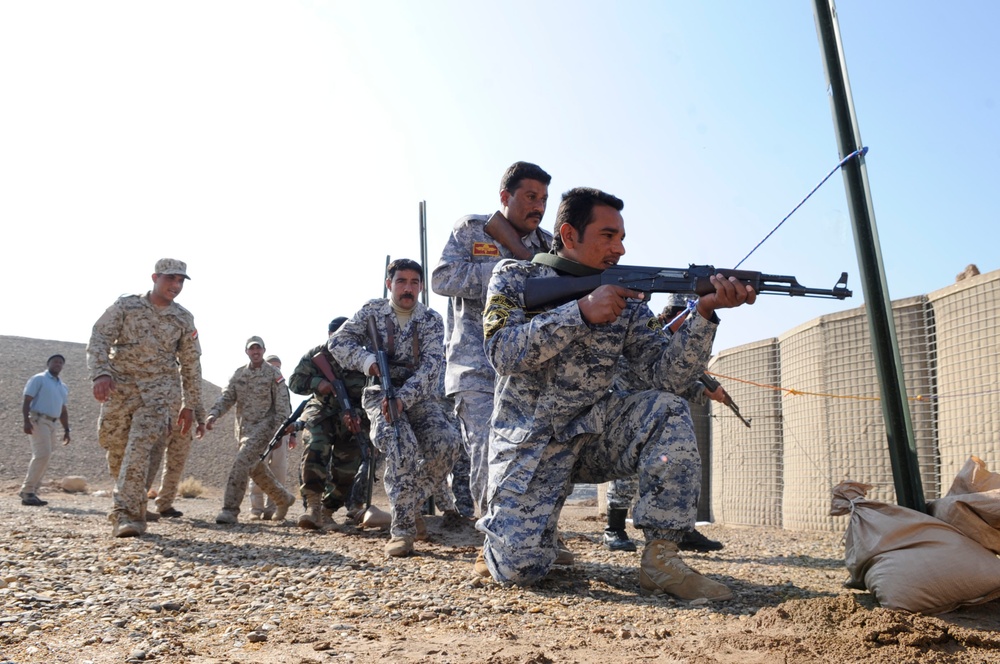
615	537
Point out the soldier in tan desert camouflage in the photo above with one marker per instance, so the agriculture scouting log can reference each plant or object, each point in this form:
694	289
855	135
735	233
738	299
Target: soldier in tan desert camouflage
135	351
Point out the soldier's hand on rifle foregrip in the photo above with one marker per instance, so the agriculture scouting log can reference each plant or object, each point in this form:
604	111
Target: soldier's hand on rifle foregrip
606	303
728	293
718	394
325	387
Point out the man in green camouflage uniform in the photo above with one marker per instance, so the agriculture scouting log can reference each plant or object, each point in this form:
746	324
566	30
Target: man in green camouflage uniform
135	351
258	392
420	451
332	456
557	421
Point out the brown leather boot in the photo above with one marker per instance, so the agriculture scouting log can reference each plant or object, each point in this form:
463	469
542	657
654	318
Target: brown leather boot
663	571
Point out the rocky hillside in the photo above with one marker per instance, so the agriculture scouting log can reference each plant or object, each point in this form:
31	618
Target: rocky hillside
21	358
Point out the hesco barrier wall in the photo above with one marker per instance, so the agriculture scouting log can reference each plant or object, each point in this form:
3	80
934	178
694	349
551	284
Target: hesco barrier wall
814	401
967	317
747	466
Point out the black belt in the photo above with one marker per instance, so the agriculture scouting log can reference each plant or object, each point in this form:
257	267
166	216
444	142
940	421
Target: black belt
44	416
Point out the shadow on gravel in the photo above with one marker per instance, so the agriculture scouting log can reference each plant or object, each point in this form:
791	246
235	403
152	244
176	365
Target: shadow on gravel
76	511
615	583
249	553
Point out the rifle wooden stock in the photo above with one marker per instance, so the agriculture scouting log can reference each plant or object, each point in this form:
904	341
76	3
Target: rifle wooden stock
501	230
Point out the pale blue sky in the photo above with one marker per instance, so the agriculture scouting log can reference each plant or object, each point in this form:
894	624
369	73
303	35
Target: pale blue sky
281	149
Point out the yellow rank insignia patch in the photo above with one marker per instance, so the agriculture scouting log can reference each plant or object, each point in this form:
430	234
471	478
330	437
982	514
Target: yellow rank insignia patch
496	314
485	249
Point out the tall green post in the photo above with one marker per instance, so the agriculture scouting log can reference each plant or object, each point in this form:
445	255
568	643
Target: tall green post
889	368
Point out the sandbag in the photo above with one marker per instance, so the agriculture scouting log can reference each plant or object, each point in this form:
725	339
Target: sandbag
972	504
912	561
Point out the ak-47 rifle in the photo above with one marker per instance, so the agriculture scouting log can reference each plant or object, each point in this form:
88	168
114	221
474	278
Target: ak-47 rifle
712	385
542	291
385	380
279	434
352	420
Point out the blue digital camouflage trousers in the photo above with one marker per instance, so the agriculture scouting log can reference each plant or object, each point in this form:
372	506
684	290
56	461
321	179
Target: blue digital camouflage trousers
648	433
419	454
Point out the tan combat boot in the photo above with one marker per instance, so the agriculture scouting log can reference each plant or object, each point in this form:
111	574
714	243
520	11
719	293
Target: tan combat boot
480	567
311	519
397	547
663	571
282	504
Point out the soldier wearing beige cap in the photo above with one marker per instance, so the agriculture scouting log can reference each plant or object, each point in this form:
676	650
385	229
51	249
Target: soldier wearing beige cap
258	391
139	350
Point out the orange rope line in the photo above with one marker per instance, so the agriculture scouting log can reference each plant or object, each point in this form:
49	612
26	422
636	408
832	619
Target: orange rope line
793	392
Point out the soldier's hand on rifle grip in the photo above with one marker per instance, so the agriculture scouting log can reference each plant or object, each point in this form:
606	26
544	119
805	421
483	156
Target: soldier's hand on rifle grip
351	421
606	303
325	387
728	293
385	409
373	370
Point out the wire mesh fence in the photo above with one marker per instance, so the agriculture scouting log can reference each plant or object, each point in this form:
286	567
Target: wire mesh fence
814	400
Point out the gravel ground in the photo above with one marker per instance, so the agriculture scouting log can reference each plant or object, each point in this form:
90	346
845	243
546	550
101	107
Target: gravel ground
194	591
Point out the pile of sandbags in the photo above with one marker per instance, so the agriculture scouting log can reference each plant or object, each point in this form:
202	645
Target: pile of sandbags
926	563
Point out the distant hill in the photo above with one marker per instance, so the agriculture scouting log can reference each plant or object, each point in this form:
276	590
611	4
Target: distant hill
21	358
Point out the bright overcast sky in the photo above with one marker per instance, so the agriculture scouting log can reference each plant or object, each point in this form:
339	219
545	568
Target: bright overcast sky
281	149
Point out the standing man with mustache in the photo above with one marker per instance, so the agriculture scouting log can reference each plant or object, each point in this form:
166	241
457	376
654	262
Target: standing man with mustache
558	420
462	275
420	450
135	352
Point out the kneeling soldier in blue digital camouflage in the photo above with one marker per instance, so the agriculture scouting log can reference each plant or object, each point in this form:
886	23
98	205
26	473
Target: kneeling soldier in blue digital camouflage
420	446
556	421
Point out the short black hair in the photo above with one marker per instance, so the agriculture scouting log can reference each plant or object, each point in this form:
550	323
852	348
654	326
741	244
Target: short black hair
577	208
335	324
403	264
54	357
522	170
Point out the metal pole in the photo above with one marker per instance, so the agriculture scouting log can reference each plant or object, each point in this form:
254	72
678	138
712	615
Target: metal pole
424	294
424	297
895	408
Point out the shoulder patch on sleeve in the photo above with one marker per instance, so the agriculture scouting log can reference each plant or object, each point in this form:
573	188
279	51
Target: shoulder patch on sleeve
485	249
654	323
496	313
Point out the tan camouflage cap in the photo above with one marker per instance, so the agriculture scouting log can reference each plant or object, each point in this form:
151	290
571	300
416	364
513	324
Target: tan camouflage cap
255	340
171	266
273	358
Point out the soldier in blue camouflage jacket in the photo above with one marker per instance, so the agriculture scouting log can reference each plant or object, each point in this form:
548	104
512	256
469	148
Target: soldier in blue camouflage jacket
420	451
556	419
462	275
